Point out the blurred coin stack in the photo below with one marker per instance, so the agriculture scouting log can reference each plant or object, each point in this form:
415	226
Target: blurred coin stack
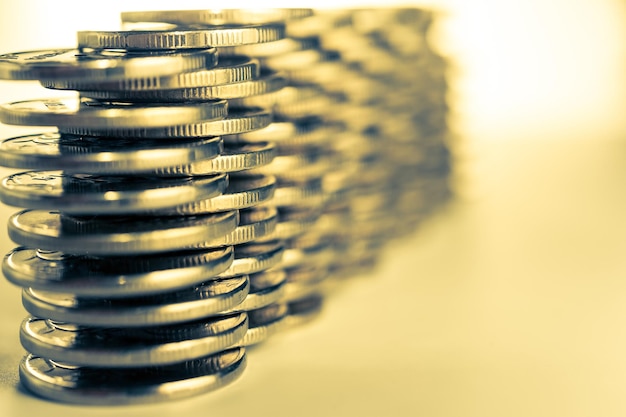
218	175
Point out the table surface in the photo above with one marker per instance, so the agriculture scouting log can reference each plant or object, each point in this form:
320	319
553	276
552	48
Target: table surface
509	301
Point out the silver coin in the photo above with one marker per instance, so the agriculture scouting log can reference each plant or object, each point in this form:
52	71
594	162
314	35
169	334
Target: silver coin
234	158
104	386
116	235
237	122
305	281
95	155
308	131
217	16
269	49
158	36
131	347
291	101
308	249
263	323
266	287
254	224
304	310
293	60
74	64
84	194
294	222
303	194
310	163
98	115
233	69
265	84
115	276
254	257
201	301
244	190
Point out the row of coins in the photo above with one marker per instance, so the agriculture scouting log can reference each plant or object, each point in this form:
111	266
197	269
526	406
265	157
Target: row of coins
219	174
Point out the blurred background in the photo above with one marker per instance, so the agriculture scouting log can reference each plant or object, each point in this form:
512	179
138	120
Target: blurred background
510	301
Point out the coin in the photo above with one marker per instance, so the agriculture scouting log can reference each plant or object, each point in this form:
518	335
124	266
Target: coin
304	310
96	155
254	223
113	276
254	257
217	16
291	102
263	323
266	83
303	194
234	158
131	347
232	69
269	49
308	249
244	190
200	301
74	64
92	114
266	287
238	121
293	222
292	133
116	235
157	36
310	163
84	194
113	386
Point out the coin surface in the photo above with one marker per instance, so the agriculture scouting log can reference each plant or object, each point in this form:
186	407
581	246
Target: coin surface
113	276
254	257
263	323
232	69
254	223
234	158
244	190
73	64
115	386
265	84
84	194
266	287
116	235
86	113
96	155
158	36
112	347
217	16
200	301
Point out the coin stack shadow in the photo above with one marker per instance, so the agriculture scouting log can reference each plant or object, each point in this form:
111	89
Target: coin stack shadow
306	154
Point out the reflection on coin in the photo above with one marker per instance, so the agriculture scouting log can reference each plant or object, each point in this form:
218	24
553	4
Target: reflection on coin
234	69
114	386
74	64
131	347
269	49
263	323
267	83
291	102
91	114
308	249
95	155
294	222
303	194
157	36
254	257
310	163
116	235
217	16
234	157
303	310
266	287
308	131
244	190
102	195
254	223
115	276
189	304
238	121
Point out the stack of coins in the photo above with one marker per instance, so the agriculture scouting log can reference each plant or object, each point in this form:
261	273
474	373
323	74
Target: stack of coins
218	175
